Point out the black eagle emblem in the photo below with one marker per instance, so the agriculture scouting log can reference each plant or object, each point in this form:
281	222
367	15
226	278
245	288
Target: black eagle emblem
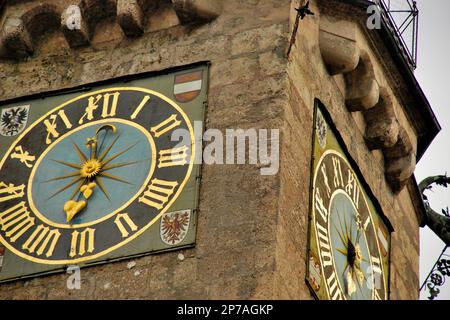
13	121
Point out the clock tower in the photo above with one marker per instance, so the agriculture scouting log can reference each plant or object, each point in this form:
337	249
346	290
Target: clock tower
120	178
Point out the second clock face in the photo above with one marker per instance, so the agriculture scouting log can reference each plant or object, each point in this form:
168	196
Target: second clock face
349	241
93	174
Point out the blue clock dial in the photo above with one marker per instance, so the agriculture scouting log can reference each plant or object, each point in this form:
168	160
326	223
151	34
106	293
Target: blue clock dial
103	165
350	250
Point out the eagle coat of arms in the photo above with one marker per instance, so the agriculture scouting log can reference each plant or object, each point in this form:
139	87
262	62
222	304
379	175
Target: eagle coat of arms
13	120
174	226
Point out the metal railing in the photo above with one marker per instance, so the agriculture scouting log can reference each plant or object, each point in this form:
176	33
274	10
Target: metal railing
403	18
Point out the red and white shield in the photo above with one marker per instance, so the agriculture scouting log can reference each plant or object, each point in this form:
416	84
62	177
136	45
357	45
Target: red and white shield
188	86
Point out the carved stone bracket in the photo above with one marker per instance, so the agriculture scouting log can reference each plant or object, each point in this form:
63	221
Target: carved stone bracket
341	55
382	126
74	27
195	10
130	17
362	90
15	39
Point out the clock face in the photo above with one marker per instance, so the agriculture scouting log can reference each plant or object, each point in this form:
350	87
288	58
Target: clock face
349	243
93	174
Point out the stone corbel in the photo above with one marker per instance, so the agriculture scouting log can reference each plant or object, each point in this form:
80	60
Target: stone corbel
130	17
15	40
340	54
197	10
362	90
74	27
400	161
382	126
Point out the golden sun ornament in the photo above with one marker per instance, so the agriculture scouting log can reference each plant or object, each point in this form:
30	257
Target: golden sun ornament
354	257
90	172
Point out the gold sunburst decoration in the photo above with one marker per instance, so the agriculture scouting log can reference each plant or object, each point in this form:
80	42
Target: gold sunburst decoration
90	171
352	273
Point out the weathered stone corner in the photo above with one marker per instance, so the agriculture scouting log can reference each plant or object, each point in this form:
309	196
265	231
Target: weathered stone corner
341	55
194	10
74	27
15	40
362	90
382	126
400	161
130	17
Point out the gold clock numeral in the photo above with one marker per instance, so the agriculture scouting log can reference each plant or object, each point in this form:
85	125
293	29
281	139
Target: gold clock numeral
333	287
337	169
377	295
352	188
23	156
82	242
169	124
325	179
320	206
366	223
50	125
119	221
173	157
10	191
15	221
140	107
376	264
324	244
109	107
44	238
158	193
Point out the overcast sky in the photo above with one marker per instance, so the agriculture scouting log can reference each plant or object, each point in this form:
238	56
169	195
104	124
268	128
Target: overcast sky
433	73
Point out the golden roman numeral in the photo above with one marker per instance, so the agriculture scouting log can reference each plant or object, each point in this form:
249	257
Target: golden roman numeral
352	188
173	157
50	125
338	179
44	238
23	156
10	191
15	221
324	245
82	242
158	193
165	126
120	219
139	108
109	107
333	287
320	206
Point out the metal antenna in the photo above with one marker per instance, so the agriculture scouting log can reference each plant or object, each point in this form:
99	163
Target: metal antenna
403	18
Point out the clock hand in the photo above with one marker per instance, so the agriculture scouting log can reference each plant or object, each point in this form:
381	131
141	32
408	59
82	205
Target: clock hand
72	207
106	128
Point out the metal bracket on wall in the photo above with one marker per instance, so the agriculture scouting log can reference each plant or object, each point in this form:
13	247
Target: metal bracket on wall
302	12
